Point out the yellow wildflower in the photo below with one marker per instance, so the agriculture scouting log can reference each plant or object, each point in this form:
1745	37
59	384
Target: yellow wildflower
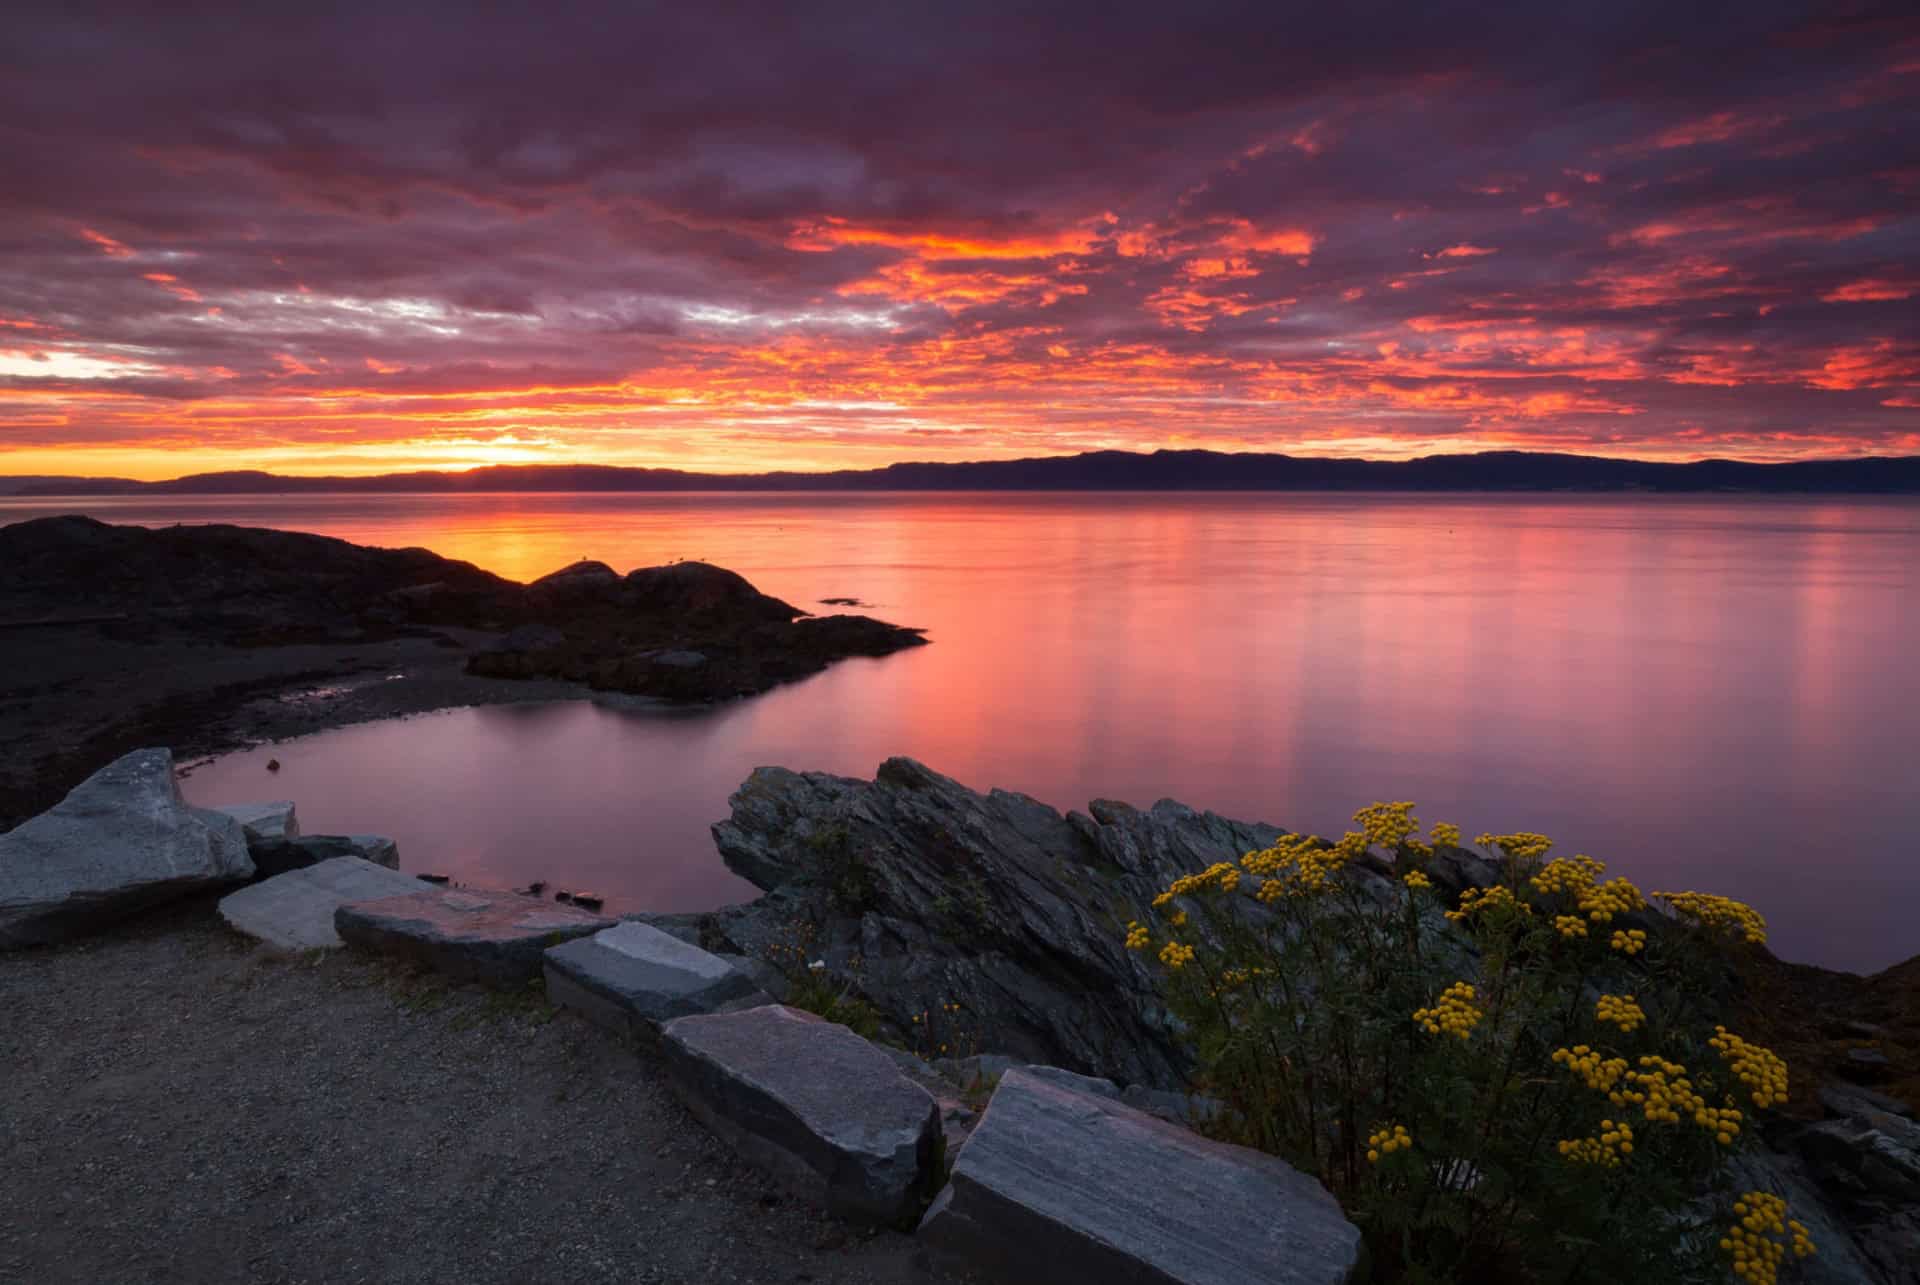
1629	941
1174	955
1498	897
1454	1012
1600	1074
1614	1142
1386	1140
1570	925
1602	902
1387	825
1524	846
1138	938
1568	874
1414	879
1297	864
1760	1237
1445	835
1621	1011
1760	1069
1719	914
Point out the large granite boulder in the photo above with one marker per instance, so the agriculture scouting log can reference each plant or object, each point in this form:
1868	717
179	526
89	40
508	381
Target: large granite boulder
294	911
265	822
632	978
124	839
1093	1190
274	858
492	937
812	1104
993	901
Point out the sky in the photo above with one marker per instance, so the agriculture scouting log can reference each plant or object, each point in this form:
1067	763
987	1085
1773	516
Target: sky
349	238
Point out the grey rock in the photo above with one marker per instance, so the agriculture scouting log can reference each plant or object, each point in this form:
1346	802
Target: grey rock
123	840
1097	1191
812	1104
271	859
678	659
498	938
762	974
1073	1080
994	901
294	911
632	977
264	822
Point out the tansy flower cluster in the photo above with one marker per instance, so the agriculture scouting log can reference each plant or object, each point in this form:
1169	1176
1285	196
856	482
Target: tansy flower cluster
1386	1140
1664	1092
1613	1142
1524	846
1568	874
1570	926
1621	1011
1175	956
1138	938
1751	1241
1760	1069
1499	897
1721	914
1387	825
1445	835
1600	1074
1414	879
1602	902
1628	941
1221	875
1454	1013
1299	864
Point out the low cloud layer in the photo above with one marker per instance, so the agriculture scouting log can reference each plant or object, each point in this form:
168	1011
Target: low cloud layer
740	237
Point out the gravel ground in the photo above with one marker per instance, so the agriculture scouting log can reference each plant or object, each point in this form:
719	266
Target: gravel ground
177	1104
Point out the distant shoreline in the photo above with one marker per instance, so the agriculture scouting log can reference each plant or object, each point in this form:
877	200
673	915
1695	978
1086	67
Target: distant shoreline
1160	471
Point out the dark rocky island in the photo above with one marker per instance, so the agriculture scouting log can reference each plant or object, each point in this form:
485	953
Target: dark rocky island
208	637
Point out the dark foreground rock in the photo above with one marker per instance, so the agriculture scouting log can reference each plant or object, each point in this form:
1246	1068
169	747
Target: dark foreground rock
294	911
277	857
1059	1182
996	902
496	938
265	823
123	840
633	978
813	1104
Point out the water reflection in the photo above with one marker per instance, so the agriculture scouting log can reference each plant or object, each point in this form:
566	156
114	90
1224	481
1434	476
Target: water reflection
1713	693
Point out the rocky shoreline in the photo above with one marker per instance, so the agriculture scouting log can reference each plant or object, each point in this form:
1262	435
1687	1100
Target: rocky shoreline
1013	1065
211	638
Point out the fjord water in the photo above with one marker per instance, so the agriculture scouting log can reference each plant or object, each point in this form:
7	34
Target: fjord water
1705	692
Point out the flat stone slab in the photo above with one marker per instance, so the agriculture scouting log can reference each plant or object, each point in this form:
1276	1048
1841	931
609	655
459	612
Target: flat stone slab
294	911
633	977
493	937
812	1104
276	857
123	840
264	822
1098	1191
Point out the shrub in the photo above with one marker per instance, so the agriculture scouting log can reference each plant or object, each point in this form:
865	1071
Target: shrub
1527	1085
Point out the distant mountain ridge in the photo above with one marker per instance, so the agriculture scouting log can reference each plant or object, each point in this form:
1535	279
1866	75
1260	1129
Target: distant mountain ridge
1094	471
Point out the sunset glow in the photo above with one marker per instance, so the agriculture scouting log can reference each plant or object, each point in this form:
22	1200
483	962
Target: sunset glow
740	244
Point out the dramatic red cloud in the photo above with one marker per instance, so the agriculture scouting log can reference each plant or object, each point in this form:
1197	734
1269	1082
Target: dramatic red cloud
755	239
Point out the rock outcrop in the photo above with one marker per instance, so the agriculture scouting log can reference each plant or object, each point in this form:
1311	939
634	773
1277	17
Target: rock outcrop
996	902
1083	1188
814	1105
123	840
497	938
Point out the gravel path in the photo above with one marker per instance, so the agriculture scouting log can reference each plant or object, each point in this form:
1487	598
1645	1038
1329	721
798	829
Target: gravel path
178	1105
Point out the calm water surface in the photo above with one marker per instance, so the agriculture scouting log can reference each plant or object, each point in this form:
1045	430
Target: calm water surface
1704	692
